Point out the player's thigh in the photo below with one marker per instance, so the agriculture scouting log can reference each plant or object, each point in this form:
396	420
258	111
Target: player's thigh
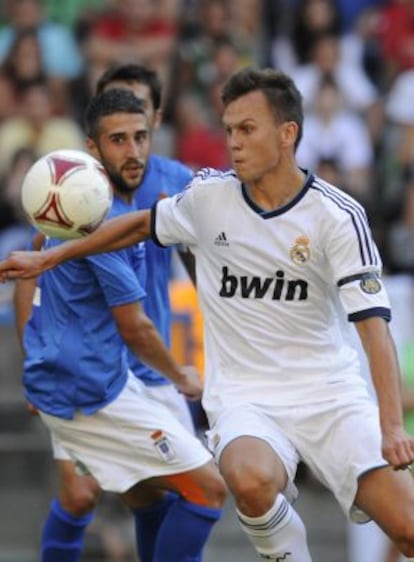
77	492
248	444
340	441
387	495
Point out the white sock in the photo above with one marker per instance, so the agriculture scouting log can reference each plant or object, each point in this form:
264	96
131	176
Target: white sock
279	534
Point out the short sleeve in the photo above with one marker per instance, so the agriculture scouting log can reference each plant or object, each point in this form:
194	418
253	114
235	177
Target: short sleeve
356	265
173	218
116	277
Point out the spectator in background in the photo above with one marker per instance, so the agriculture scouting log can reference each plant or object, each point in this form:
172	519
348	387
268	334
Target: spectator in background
360	46
400	243
8	105
311	19
24	63
358	92
214	37
59	52
245	22
350	12
14	228
292	44
199	143
334	133
36	127
132	30
396	34
398	142
69	13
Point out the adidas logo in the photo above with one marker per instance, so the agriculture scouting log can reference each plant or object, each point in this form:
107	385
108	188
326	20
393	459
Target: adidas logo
221	240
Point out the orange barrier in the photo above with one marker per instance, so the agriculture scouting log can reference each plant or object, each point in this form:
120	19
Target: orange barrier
187	325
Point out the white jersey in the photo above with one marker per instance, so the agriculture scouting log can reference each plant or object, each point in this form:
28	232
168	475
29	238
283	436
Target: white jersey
274	288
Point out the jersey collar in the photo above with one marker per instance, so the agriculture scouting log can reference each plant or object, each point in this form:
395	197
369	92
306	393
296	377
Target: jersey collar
284	208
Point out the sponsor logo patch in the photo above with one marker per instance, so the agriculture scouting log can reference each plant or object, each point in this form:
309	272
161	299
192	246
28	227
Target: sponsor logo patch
370	285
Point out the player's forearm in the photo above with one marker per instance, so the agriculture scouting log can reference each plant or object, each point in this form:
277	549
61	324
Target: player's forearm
382	357
113	234
149	347
22	301
386	380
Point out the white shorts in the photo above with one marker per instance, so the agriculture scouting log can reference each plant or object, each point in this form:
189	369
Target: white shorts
165	394
339	441
131	439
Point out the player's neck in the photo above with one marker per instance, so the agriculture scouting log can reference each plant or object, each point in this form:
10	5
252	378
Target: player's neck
126	196
277	189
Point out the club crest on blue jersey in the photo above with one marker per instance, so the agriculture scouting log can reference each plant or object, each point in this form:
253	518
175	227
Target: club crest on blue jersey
163	446
300	252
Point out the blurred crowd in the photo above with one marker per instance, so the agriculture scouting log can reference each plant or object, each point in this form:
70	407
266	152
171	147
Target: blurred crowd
352	61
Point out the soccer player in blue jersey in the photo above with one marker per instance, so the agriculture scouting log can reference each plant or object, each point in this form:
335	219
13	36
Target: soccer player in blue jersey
68	308
162	177
284	260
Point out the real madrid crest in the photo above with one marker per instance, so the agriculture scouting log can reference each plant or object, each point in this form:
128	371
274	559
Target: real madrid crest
300	252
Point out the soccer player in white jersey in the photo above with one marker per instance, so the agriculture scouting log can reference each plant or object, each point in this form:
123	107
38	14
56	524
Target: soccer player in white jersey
282	257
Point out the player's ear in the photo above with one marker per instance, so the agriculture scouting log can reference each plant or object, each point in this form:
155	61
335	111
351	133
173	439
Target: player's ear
92	148
289	134
157	119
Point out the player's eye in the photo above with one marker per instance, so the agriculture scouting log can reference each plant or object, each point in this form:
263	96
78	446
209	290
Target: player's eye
141	137
247	129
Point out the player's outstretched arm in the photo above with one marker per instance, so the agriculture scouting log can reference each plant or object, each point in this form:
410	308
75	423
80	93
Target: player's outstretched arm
114	234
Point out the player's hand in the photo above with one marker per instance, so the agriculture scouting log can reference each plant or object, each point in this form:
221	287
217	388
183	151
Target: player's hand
191	386
398	448
23	265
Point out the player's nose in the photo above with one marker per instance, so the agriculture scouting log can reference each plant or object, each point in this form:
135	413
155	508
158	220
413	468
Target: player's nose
133	149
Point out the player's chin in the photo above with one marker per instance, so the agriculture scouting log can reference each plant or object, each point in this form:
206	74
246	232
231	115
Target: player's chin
242	171
244	176
131	180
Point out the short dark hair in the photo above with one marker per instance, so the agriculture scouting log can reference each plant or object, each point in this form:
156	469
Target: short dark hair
281	93
108	103
132	73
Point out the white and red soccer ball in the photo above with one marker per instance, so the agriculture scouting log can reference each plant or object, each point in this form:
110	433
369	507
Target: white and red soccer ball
66	194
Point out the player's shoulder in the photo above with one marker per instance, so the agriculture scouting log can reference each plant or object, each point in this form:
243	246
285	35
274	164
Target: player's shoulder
169	166
165	175
212	177
335	201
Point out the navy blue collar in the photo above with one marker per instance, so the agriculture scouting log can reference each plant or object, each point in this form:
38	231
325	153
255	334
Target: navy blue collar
284	208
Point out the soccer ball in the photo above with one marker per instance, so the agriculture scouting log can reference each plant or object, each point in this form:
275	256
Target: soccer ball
66	194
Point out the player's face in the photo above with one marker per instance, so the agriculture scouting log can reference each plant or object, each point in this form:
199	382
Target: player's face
143	93
254	138
123	147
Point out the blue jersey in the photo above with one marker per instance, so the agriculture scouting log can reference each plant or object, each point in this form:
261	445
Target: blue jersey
163	177
75	357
